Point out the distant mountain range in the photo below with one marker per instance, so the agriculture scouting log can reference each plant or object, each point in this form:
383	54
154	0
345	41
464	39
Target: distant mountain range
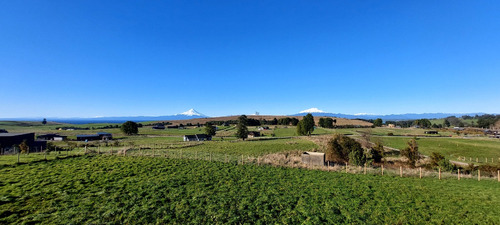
190	114
395	117
193	114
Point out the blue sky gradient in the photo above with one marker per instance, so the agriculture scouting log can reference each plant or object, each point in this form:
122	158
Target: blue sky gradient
127	58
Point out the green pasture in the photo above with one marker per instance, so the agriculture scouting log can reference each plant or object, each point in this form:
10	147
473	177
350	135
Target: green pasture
452	148
144	190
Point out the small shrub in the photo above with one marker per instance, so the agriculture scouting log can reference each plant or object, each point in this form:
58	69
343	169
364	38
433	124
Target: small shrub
390	134
411	152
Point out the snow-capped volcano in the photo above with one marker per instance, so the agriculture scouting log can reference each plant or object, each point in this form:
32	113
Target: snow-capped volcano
312	110
191	112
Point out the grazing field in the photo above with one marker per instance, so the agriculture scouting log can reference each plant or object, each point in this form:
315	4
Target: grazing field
452	148
132	190
173	145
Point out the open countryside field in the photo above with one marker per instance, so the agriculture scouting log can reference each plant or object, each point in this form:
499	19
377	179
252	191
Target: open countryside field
452	148
131	190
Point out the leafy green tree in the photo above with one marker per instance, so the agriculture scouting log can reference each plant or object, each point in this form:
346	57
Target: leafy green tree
210	129
44	121
294	121
411	152
130	128
423	123
377	152
436	158
241	127
377	122
446	123
307	126
326	122
357	157
344	149
300	128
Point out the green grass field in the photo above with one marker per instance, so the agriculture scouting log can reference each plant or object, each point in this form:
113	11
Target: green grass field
138	190
452	148
173	145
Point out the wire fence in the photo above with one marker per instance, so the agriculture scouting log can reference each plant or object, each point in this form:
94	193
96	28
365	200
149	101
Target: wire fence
182	151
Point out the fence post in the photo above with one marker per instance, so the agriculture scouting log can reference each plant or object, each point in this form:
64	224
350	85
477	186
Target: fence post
400	171
382	169
420	172
440	173
346	167
498	175
210	156
196	155
258	160
458	174
242	160
364	169
18	154
478	175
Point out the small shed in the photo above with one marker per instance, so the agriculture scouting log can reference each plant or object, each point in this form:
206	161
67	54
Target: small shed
313	158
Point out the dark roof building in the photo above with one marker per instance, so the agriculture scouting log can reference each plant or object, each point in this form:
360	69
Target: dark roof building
198	137
94	137
159	127
50	137
10	140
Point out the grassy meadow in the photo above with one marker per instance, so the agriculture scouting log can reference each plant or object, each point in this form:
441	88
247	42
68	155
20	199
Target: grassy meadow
133	190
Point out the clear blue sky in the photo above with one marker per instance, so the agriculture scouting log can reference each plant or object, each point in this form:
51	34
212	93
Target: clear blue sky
124	58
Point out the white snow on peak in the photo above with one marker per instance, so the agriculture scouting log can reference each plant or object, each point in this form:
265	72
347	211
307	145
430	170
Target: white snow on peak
312	110
363	114
191	112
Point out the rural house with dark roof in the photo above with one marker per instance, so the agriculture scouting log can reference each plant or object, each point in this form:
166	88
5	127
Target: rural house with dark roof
198	137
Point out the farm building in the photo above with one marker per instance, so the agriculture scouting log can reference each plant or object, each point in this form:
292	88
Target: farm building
159	127
9	140
313	158
431	132
198	137
252	134
50	137
94	137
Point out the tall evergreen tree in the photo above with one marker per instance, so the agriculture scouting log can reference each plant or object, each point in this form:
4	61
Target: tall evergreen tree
210	129
241	127
308	124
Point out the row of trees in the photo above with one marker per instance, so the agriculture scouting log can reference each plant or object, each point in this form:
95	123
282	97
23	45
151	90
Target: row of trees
327	122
